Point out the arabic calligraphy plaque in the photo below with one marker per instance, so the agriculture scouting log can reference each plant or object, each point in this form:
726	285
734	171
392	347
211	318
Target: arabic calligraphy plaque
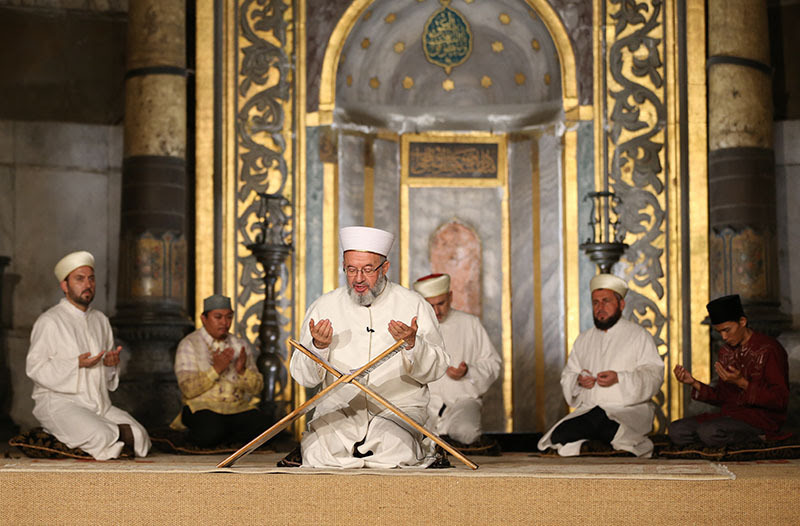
446	159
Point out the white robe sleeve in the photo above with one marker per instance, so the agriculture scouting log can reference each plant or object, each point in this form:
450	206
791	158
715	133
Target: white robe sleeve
112	373
303	369
427	360
485	367
644	380
569	377
47	363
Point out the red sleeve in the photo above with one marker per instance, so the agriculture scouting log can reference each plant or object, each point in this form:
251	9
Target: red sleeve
707	394
770	388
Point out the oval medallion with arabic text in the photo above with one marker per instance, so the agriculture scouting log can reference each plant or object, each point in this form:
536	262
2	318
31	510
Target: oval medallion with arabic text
447	38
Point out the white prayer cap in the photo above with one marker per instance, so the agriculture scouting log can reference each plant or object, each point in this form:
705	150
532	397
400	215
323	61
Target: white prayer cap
433	285
610	282
72	261
366	239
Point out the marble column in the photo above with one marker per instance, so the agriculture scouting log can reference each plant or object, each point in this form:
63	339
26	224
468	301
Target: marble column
741	171
151	300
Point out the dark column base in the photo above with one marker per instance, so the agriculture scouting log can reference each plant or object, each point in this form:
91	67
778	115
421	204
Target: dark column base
148	389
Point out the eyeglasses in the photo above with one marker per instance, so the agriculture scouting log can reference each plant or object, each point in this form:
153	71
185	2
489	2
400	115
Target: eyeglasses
367	271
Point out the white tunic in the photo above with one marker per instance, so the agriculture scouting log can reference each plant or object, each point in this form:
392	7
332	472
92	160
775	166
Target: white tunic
466	341
346	415
72	402
628	349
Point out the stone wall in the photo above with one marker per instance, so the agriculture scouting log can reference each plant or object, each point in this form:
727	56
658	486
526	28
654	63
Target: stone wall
59	192
787	175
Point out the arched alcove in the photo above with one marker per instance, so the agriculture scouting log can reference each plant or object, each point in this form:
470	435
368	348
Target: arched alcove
505	96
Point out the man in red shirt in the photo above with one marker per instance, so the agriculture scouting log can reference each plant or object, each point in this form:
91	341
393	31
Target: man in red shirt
753	386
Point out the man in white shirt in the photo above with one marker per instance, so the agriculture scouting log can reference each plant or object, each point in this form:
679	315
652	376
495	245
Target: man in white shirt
73	363
350	326
611	375
455	406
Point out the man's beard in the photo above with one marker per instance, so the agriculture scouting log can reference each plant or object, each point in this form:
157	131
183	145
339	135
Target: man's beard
80	300
369	297
610	322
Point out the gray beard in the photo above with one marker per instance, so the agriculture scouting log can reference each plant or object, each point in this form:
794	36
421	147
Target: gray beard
369	297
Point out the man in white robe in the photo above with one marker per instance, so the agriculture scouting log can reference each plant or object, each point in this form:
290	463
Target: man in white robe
455	406
611	374
73	364
348	327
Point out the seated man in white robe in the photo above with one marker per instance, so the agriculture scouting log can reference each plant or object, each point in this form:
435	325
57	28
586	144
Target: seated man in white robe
350	326
611	374
455	406
73	363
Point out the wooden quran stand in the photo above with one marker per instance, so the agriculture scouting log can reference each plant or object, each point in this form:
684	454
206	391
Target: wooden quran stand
343	378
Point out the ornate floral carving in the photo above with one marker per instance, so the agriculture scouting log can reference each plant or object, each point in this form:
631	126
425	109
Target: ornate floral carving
635	135
264	87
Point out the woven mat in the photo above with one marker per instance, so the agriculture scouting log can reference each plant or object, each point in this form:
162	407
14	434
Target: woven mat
508	465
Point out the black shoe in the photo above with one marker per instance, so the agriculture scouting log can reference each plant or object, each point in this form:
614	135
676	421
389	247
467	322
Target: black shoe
293	460
441	461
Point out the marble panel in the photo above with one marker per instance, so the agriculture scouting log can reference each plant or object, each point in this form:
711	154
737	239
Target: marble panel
57	212
115	146
6	142
479	209
552	250
114	209
787	182
7	207
82	5
314	202
786	137
523	306
586	269
66	145
351	183
21	406
387	197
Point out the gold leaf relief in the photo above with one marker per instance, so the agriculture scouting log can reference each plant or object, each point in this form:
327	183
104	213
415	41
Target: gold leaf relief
448	85
365	43
391	17
367	16
504	19
535	44
408	83
486	81
374	83
399	47
519	78
497	46
349	80
547	78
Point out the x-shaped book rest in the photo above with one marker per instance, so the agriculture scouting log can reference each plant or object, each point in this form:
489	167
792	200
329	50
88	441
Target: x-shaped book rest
341	378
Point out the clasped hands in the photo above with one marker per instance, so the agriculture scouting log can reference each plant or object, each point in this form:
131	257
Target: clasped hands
603	379
110	358
726	374
322	332
220	360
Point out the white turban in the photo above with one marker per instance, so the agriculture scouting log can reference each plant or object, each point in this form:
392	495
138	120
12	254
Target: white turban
433	285
366	239
72	261
610	282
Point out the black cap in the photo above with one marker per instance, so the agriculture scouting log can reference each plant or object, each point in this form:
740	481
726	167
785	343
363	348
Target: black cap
726	308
